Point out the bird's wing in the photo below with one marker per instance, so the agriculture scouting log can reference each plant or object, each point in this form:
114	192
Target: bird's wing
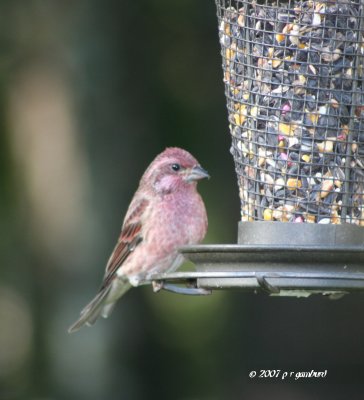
129	238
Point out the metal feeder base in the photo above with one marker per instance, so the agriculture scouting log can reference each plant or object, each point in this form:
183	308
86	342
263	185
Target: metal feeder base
326	259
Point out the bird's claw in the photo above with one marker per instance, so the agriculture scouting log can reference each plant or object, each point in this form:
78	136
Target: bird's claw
266	286
157	286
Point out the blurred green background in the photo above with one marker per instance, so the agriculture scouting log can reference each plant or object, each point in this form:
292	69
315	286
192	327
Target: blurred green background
90	92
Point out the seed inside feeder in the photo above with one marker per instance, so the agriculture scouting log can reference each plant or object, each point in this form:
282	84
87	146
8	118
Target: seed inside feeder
293	74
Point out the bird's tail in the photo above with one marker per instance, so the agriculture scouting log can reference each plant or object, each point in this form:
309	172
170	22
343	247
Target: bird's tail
101	305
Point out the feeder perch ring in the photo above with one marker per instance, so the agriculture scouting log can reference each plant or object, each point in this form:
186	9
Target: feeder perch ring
246	267
320	259
278	268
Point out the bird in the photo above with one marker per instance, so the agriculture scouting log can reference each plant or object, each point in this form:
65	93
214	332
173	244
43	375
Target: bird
165	213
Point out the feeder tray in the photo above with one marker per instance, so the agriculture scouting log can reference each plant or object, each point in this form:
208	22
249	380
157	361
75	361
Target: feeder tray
319	259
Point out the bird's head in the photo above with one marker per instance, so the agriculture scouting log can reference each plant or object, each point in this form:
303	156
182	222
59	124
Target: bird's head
174	169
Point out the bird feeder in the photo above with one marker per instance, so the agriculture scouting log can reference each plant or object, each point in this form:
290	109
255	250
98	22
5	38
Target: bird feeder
293	75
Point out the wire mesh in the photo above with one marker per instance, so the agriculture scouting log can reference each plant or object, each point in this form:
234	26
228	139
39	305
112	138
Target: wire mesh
293	74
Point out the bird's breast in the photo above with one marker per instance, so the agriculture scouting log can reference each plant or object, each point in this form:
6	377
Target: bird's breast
183	219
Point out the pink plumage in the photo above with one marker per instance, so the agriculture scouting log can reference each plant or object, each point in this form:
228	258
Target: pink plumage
165	213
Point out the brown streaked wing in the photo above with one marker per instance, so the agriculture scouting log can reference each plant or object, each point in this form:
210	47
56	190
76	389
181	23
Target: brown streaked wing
129	238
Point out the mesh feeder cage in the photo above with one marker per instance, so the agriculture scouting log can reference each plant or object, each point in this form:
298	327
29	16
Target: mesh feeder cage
293	75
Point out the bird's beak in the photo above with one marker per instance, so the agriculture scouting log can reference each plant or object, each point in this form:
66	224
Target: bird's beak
196	173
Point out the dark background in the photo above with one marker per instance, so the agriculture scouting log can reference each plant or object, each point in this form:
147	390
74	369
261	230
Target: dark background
90	92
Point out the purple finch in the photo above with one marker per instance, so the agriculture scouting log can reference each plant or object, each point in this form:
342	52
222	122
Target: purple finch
165	213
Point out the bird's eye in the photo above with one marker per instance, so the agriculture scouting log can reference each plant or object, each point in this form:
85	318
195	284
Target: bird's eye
176	167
